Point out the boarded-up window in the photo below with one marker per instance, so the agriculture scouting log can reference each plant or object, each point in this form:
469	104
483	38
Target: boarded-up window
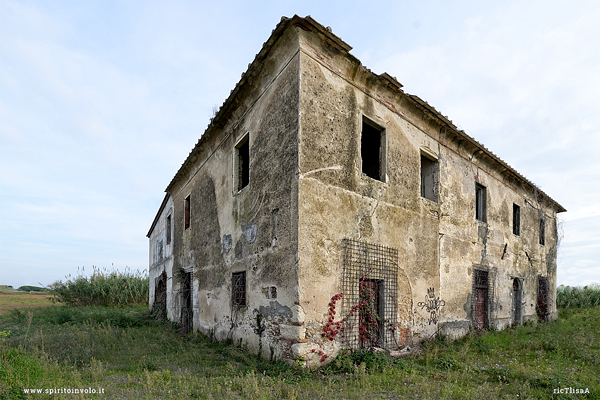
516	220
480	202
238	289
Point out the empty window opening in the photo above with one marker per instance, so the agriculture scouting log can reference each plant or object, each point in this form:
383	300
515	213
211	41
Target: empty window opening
369	279
238	289
516	220
428	178
480	202
542	300
480	299
372	151
242	164
186	219
168	229
542	231
517	301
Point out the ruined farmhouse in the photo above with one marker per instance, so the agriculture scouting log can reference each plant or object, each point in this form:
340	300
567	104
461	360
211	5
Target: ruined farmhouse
325	208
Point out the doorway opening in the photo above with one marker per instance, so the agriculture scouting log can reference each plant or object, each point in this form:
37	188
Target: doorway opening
542	302
186	310
481	290
159	307
517	301
371	315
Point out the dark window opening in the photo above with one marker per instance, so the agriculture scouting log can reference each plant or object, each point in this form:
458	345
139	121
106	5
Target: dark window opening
480	302
542	231
542	303
186	219
371	151
428	178
243	164
238	289
480	202
168	229
516	220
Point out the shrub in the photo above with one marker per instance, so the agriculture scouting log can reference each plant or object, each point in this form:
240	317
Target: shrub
103	288
31	289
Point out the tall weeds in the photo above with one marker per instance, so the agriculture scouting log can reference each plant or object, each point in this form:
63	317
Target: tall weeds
103	288
577	296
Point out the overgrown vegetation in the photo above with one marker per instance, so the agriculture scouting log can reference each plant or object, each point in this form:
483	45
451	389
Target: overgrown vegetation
132	356
103	288
32	289
586	296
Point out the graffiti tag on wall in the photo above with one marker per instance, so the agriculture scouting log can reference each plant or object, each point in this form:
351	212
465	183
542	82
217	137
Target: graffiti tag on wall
432	306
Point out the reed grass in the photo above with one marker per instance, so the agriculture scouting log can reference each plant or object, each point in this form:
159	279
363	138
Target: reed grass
102	288
578	296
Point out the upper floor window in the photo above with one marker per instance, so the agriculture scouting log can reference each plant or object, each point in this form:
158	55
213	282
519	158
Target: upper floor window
186	218
169	229
372	150
480	202
542	231
241	164
516	220
428	178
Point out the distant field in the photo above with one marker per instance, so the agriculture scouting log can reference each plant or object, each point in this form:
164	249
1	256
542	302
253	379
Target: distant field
22	301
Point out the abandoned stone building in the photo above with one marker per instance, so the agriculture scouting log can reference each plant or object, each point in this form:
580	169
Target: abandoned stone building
325	208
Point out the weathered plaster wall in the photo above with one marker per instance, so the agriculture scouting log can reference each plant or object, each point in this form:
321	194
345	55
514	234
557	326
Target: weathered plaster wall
255	229
338	201
467	243
161	255
439	242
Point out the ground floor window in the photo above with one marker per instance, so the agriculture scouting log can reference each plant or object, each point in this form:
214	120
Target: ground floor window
238	289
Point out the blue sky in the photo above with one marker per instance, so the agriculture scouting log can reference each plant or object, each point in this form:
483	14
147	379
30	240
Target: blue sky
101	101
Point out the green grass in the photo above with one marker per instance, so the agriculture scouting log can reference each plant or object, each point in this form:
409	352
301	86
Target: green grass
131	356
103	288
